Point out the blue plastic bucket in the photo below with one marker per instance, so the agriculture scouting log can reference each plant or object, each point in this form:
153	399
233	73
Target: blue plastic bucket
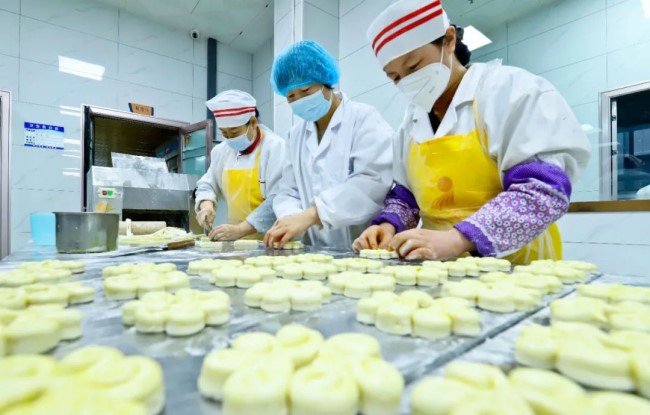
43	227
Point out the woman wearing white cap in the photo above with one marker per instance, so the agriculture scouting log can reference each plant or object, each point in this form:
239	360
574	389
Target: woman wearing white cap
339	165
245	170
486	155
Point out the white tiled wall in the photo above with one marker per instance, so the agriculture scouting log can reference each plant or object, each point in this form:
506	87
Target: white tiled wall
296	20
583	47
143	62
262	90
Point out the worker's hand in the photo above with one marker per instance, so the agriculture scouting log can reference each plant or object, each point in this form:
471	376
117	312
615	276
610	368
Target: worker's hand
287	228
375	237
435	245
206	214
231	232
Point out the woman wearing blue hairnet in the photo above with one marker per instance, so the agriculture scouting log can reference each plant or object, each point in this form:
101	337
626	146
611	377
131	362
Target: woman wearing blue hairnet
340	154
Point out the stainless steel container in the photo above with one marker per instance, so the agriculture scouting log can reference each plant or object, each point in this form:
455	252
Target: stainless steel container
80	233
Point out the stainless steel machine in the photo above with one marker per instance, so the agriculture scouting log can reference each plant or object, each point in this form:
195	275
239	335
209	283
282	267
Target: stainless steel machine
160	163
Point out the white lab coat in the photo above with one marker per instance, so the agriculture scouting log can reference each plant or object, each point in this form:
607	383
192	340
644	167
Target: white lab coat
273	148
346	177
525	117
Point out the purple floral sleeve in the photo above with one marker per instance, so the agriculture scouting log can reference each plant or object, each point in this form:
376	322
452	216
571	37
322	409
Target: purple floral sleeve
400	209
537	195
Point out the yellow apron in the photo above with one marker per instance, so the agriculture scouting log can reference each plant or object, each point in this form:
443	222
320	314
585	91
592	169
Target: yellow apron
242	191
454	176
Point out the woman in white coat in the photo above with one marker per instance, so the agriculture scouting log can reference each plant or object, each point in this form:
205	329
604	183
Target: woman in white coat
244	170
486	155
339	166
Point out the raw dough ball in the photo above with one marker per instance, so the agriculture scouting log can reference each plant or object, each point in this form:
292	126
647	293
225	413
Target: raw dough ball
301	344
128	286
437	396
495	298
205	267
258	343
132	378
613	403
394	318
431	323
183	314
217	368
547	392
456	269
467	289
595	366
536	347
246	245
477	375
350	346
258	388
78	293
283	295
323	391
430	276
580	310
367	307
381	387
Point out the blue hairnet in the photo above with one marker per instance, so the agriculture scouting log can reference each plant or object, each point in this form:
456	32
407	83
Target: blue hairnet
303	63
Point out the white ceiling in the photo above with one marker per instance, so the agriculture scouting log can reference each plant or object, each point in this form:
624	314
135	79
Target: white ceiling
488	14
247	24
243	24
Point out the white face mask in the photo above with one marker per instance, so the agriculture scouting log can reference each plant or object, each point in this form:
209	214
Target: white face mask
241	142
424	87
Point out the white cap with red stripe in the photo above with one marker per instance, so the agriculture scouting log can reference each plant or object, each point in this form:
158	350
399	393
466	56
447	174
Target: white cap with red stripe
405	26
232	108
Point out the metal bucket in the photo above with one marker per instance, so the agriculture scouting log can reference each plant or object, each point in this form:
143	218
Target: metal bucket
80	233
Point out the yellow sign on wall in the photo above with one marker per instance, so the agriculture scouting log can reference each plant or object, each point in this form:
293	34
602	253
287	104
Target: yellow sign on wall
141	109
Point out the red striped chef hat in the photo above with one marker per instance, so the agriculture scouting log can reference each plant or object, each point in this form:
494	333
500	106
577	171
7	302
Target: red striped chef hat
405	26
232	108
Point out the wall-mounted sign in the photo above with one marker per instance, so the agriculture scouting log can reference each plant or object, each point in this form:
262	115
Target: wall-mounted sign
141	109
39	135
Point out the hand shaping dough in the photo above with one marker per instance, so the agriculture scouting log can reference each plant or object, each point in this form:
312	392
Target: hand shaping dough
282	296
183	314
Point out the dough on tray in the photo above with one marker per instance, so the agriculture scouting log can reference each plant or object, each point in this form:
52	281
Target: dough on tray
290	246
358	264
28	276
243	276
585	354
355	284
204	267
76	267
121	284
416	275
378	254
499	297
37	329
40	294
103	372
416	313
296	372
317	271
482	389
625	315
284	295
183	314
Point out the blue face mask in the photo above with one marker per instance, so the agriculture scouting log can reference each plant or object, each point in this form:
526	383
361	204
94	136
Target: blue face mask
312	107
239	143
